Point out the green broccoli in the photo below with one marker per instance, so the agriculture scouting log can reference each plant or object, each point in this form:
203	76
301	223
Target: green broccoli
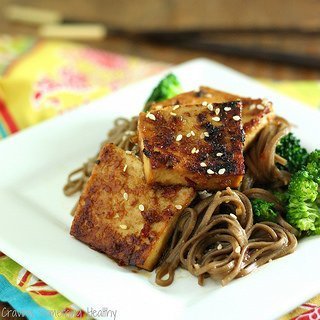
167	88
289	148
302	199
263	210
313	165
303	214
302	187
302	209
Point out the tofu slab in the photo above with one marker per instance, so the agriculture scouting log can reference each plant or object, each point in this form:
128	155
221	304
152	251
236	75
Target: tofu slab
193	145
256	113
120	215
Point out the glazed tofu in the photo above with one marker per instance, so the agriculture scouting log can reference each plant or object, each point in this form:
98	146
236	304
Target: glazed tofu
194	145
256	113
120	215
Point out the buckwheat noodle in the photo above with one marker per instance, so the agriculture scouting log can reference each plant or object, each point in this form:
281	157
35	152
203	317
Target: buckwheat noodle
261	159
217	238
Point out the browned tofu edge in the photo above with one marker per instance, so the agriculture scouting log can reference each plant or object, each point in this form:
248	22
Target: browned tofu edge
105	239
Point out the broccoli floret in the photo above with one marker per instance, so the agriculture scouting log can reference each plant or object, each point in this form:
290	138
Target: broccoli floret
302	209
167	88
263	210
302	199
289	148
313	165
302	187
302	214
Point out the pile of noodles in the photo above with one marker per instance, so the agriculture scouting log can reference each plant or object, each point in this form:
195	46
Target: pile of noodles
216	236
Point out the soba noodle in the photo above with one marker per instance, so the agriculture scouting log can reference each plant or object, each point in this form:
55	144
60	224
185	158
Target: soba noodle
261	160
217	238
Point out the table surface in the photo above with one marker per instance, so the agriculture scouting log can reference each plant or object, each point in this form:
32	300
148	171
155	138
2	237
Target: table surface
294	42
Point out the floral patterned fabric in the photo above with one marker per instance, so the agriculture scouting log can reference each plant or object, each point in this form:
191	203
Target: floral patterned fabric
43	79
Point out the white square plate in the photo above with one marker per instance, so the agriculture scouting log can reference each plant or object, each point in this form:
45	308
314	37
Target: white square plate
35	216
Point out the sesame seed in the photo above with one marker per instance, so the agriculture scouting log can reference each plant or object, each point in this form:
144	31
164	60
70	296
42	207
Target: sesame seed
201	135
192	133
123	226
219	247
237	249
128	152
219	154
178	206
210	107
116	215
125	196
141	207
176	107
216	119
206	134
210	171
204	194
202	164
194	150
151	116
179	137
208	95
260	107
227	109
252	106
188	135
196	266
197	150
173	114
204	103
237	118
233	216
217	111
125	168
222	171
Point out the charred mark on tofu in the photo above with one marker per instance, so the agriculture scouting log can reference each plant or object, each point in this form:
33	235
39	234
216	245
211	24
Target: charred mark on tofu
200	146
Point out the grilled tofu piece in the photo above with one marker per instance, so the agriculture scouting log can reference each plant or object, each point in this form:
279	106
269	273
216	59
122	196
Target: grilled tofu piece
256	113
199	146
120	215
